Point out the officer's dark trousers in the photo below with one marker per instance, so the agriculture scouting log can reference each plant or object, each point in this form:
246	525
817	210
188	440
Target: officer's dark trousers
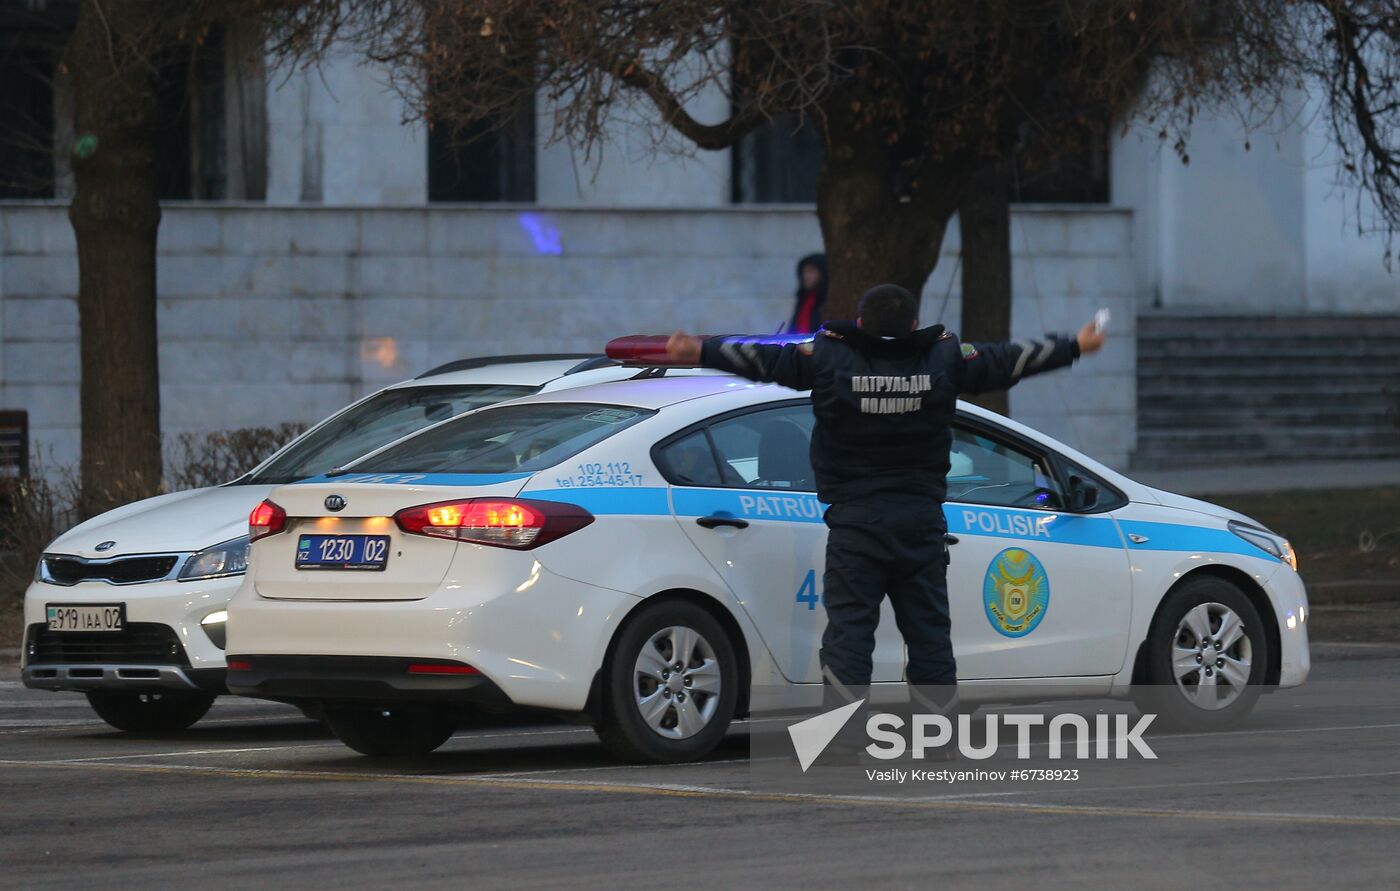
887	544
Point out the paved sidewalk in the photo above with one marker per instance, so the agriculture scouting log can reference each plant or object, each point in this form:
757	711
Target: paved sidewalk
1272	477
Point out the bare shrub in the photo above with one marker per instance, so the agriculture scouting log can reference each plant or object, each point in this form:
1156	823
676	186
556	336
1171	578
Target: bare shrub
210	459
33	512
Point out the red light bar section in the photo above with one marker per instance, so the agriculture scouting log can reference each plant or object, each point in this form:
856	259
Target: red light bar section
424	668
650	349
641	349
239	665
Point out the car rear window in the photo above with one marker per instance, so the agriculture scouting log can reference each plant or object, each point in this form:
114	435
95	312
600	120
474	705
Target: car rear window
377	421
523	438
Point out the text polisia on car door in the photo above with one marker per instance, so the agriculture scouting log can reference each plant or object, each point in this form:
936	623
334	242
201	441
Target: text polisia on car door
1034	590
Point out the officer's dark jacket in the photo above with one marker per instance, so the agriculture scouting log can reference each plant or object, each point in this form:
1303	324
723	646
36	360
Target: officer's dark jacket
884	406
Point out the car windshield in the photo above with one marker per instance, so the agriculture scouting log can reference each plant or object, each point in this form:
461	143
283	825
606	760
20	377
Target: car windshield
379	420
513	438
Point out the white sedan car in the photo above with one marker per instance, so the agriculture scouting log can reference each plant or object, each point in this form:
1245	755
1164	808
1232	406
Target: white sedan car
648	554
129	607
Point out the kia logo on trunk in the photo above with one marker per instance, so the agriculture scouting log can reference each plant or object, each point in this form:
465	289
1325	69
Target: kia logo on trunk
335	502
105	546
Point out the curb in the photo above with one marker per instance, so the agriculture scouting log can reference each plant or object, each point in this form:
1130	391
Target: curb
1347	651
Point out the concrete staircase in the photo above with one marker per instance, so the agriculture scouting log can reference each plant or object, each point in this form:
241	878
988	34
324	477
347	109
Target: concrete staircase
1221	390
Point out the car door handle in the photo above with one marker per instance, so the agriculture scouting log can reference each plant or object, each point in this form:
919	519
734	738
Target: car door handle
715	520
950	539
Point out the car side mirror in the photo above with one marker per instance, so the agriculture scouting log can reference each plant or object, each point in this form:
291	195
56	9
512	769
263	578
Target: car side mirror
1083	496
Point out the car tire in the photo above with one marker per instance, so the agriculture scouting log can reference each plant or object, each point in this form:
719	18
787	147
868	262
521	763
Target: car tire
389	731
1184	689
149	712
646	715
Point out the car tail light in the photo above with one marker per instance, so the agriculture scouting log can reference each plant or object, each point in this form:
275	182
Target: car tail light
266	519
239	665
503	522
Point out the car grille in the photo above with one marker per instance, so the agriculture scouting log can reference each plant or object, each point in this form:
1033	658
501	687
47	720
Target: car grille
139	643
121	571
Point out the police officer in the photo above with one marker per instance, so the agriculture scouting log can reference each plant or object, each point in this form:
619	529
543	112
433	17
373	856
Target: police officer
884	393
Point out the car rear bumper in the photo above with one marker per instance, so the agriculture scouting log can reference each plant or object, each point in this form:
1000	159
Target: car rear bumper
367	679
539	638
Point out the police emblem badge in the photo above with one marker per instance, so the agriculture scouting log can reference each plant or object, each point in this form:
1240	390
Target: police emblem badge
1015	592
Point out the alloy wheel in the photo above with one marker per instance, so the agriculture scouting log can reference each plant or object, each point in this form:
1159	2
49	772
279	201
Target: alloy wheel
1211	656
677	682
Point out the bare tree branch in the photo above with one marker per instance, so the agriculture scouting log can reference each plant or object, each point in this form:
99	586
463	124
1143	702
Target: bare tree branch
673	113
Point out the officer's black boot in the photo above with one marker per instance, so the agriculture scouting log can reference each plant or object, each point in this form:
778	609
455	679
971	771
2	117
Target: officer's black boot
943	702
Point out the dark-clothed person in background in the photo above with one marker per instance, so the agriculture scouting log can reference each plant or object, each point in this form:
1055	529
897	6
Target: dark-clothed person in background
811	294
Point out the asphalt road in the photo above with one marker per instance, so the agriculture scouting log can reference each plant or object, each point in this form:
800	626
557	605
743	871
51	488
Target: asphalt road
1306	794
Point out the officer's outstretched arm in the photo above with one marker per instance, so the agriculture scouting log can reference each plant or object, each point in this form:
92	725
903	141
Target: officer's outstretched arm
998	366
787	364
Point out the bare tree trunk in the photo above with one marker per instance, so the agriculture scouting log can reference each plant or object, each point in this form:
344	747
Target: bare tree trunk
984	223
882	219
870	235
115	215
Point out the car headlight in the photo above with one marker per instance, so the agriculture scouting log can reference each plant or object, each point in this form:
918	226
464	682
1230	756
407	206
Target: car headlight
215	625
1266	541
228	558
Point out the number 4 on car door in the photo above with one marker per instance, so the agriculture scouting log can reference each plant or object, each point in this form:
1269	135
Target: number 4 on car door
808	592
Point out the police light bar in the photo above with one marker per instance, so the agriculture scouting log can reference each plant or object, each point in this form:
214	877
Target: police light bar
641	349
650	349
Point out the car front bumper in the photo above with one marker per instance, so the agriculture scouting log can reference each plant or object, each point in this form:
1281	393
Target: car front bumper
1290	601
86	677
178	606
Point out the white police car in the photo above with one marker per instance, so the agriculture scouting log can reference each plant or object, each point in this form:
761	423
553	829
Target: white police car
647	553
129	606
